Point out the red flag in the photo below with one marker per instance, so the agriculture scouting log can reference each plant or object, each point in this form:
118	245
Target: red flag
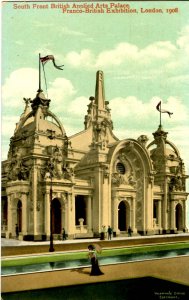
50	57
158	107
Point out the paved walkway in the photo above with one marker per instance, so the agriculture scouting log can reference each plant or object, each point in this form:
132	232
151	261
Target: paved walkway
14	242
10	247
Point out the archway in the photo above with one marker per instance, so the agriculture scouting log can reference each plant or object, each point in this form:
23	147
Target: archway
178	211
56	216
19	215
123	216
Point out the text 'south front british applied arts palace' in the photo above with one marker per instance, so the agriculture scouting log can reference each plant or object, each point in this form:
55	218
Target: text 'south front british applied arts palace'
92	178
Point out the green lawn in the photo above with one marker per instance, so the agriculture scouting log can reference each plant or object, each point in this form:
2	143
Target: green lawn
83	254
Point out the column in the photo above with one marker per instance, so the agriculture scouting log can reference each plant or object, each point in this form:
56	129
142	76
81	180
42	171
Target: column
173	216
24	215
115	214
184	216
64	197
10	228
165	207
133	215
89	214
65	215
159	214
47	214
34	188
71	214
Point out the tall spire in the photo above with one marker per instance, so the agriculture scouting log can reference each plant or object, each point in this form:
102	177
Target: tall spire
99	91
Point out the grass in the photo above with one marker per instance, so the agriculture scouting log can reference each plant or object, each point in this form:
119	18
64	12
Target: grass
83	254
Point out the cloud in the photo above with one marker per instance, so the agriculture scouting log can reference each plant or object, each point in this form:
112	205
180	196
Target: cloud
146	112
83	59
67	31
157	51
80	102
61	92
24	82
21	83
157	60
183	40
8	125
123	53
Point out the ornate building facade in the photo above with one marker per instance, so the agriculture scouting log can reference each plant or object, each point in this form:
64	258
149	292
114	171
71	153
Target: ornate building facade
91	179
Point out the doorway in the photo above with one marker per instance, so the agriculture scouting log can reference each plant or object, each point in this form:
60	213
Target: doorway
123	216
56	216
179	217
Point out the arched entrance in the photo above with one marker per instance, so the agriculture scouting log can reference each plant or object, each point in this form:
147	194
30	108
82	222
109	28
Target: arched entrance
123	216
56	216
178	211
19	215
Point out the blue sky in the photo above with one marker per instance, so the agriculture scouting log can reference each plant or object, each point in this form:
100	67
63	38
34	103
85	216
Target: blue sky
145	59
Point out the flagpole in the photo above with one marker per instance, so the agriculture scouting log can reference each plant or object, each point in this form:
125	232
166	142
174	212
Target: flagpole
160	114
39	73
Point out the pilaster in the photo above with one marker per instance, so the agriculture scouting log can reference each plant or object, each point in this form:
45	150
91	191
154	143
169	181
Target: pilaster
10	230
89	213
34	192
47	214
173	212
133	218
24	215
159	215
115	214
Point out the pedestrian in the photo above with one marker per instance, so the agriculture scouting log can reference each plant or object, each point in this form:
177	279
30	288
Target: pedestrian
17	231
92	254
63	234
129	231
109	233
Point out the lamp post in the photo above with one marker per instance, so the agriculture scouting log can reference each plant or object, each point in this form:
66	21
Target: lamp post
51	248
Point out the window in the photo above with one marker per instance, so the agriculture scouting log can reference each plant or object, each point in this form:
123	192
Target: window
120	168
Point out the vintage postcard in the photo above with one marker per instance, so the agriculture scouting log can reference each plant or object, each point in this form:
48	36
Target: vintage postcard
94	149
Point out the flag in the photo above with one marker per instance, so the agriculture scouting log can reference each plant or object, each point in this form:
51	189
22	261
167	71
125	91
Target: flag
50	57
158	107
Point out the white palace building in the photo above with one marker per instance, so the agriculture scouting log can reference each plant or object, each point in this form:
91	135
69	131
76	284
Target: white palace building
89	180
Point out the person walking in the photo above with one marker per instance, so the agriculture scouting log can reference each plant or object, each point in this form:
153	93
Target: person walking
129	231
63	234
95	270
109	233
17	231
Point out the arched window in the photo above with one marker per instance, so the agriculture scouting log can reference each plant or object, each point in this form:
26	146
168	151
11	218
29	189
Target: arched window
120	168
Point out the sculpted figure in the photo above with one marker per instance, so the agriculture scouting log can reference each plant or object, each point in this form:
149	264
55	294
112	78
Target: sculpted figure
57	159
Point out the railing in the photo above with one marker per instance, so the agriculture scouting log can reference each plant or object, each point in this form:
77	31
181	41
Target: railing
81	229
